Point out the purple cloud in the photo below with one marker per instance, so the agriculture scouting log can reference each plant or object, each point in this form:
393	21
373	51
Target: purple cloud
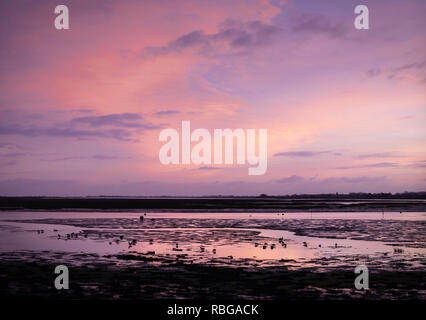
15	129
375	155
12	154
419	164
291	179
73	158
112	126
118	134
305	153
374	72
395	72
125	120
298	179
370	165
166	112
361	179
104	157
319	25
233	33
408	66
8	163
9	146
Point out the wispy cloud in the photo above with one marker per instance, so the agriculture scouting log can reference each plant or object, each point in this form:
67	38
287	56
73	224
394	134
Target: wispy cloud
373	72
124	120
112	126
305	153
408	66
319	24
418	164
295	179
291	179
209	168
12	155
82	110
119	134
361	179
232	34
370	165
9	146
104	157
8	163
166	112
376	155
75	158
416	67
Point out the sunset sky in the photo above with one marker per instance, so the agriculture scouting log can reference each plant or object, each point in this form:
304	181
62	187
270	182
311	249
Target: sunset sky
81	109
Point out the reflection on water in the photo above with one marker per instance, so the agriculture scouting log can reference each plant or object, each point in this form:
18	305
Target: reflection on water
197	244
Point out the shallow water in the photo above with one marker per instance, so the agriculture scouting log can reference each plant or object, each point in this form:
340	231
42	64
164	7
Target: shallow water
406	216
196	244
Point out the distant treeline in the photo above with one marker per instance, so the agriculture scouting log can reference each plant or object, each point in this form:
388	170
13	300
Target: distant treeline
263	203
353	195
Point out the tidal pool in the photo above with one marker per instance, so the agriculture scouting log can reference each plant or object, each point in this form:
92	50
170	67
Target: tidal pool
222	238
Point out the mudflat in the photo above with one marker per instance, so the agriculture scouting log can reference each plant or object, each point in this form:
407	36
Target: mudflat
242	255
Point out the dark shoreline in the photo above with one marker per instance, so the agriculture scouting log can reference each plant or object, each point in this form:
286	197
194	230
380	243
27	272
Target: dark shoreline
219	204
23	280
